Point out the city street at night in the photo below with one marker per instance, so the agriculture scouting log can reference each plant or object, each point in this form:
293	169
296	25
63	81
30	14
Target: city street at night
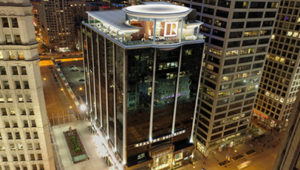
59	106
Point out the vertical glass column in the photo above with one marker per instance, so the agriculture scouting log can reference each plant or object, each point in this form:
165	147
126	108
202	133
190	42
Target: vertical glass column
119	97
188	86
103	82
110	88
164	92
139	92
94	74
98	83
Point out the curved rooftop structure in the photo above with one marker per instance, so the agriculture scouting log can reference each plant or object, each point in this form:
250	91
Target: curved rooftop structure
157	11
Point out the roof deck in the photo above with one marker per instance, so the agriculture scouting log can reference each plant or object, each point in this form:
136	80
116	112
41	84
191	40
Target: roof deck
152	23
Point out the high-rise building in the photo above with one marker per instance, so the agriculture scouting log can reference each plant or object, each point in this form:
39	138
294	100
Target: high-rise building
60	21
237	39
142	67
281	76
289	153
24	127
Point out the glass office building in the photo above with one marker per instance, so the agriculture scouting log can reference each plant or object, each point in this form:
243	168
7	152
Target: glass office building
142	67
238	34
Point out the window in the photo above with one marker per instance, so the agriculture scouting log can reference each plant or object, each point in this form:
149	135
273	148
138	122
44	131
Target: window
270	14
230	62
241	4
40	157
263	41
235	25
7	125
8	39
245	59
217	42
208	11
236	34
28	98
220	23
239	15
272	5
37	146
4	159
18	39
28	135
26	84
9	136
249	42
12	112
255	14
258	65
253	24
221	13
20	55
207	20
233	44
257	5
18	134
29	146
259	57
1	99
23	70
244	68
12	55
33	124
14	70
218	33
35	134
20	98
5	84
25	123
5	23
17	85
22	157
268	23
30	110
4	113
14	22
228	70
32	159
250	33
224	3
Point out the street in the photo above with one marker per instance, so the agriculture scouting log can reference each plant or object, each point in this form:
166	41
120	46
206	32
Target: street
59	106
260	154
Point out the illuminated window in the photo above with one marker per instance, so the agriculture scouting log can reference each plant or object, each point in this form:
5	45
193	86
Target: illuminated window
232	52
178	156
1	55
250	33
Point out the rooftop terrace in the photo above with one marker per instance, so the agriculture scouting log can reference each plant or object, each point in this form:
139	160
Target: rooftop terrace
152	23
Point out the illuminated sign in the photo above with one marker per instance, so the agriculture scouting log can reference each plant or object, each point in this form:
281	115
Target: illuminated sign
171	29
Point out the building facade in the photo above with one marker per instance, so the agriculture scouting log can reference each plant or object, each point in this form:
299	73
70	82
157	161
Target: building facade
281	76
24	127
142	67
289	153
237	39
60	21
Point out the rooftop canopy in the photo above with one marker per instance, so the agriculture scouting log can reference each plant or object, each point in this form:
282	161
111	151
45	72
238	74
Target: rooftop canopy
158	10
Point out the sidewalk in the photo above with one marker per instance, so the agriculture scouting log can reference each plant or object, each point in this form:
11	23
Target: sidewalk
88	140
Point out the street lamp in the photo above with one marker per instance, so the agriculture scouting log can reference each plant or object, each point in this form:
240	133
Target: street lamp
82	107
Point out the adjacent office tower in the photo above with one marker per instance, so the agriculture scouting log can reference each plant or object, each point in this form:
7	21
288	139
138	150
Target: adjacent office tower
281	76
24	132
142	67
237	37
289	154
60	21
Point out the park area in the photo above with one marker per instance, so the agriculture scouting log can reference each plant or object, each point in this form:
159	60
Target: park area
75	146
